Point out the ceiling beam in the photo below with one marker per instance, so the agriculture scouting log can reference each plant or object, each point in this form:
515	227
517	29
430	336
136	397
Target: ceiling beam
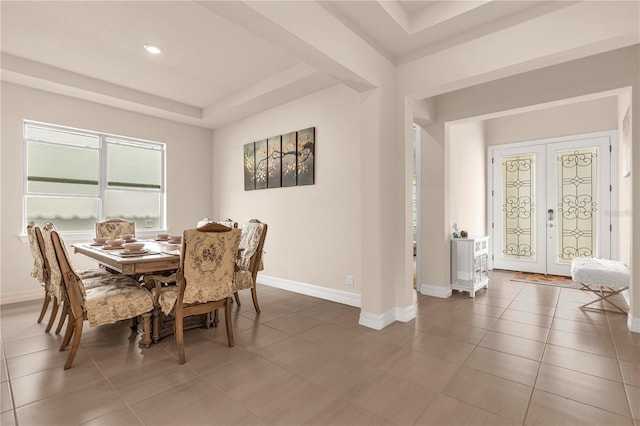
311	33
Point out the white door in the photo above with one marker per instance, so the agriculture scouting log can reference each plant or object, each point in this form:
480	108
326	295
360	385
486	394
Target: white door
551	203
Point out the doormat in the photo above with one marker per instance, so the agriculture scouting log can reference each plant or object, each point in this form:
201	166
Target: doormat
553	280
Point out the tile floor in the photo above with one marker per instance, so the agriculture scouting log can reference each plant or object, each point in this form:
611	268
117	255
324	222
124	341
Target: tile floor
517	354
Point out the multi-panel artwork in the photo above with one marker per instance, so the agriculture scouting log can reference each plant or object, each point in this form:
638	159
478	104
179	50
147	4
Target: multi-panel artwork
285	160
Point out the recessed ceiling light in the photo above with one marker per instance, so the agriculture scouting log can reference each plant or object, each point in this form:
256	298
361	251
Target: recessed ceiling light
152	48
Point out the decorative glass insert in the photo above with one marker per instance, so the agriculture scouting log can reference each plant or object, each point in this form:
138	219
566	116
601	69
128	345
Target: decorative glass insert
577	203
518	207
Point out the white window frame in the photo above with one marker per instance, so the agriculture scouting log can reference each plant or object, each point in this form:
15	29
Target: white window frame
104	139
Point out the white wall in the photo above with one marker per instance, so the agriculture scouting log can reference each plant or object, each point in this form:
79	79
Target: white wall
314	231
188	170
467	177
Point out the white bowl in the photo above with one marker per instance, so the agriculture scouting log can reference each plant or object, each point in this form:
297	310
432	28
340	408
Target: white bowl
115	243
134	246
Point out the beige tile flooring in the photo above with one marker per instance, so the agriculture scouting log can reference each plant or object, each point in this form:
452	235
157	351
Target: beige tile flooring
517	354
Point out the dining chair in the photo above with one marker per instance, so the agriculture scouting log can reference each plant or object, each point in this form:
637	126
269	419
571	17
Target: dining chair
40	269
104	299
54	276
204	281
249	263
113	228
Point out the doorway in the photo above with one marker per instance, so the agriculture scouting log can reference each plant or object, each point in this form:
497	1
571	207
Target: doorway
550	201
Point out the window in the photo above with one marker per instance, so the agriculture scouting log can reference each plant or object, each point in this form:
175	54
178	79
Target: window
75	178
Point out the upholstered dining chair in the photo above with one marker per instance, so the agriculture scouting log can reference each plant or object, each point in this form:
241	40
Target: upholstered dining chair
55	283
204	281
104	299
249	263
113	228
40	269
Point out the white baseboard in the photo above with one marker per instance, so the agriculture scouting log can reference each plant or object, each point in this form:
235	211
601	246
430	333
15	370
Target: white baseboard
633	323
406	314
440	291
377	321
22	296
340	296
380	321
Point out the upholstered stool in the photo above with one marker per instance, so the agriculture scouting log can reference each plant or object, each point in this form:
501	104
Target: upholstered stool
605	278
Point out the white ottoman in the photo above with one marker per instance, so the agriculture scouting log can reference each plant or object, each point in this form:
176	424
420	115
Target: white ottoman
602	277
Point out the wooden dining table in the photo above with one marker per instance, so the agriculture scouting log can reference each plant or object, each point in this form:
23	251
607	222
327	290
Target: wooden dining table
161	256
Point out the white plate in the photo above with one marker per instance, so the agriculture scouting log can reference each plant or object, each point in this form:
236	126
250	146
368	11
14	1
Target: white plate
158	239
112	248
96	244
126	251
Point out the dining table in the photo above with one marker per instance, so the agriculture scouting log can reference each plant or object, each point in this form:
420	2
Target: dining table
157	256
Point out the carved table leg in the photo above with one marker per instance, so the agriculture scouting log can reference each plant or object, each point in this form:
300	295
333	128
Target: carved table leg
146	327
156	325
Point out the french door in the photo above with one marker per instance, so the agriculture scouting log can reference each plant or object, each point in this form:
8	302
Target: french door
551	202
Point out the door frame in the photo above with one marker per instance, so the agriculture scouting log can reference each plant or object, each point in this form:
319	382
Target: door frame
613	138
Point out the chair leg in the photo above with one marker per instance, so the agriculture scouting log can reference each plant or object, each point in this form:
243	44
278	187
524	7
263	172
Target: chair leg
68	333
77	334
63	317
179	333
227	318
235	295
52	317
45	304
254	295
134	325
216	319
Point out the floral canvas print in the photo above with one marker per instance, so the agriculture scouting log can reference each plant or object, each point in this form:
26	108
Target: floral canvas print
274	162
261	164
249	167
289	159
305	156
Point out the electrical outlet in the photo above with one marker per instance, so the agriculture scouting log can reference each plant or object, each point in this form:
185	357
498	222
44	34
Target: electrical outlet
350	280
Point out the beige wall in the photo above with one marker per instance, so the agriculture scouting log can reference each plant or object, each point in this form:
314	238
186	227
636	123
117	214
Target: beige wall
314	232
554	121
188	169
467	177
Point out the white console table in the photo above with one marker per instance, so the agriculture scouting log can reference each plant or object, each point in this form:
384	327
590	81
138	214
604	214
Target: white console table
470	264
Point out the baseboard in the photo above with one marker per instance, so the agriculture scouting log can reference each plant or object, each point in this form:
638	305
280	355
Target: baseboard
406	314
377	321
633	323
340	296
380	321
440	291
22	296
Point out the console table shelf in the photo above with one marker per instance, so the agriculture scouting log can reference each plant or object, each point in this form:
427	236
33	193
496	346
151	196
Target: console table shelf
470	264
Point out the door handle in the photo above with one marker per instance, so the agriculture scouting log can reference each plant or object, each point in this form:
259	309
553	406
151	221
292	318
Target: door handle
550	214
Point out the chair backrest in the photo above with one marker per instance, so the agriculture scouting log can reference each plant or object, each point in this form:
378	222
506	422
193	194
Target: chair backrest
230	223
254	234
55	274
208	263
113	228
36	245
72	288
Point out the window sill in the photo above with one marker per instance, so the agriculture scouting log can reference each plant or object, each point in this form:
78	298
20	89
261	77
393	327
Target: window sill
75	237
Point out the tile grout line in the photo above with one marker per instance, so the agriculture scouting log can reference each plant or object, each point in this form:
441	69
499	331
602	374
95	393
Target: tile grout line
615	348
533	388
